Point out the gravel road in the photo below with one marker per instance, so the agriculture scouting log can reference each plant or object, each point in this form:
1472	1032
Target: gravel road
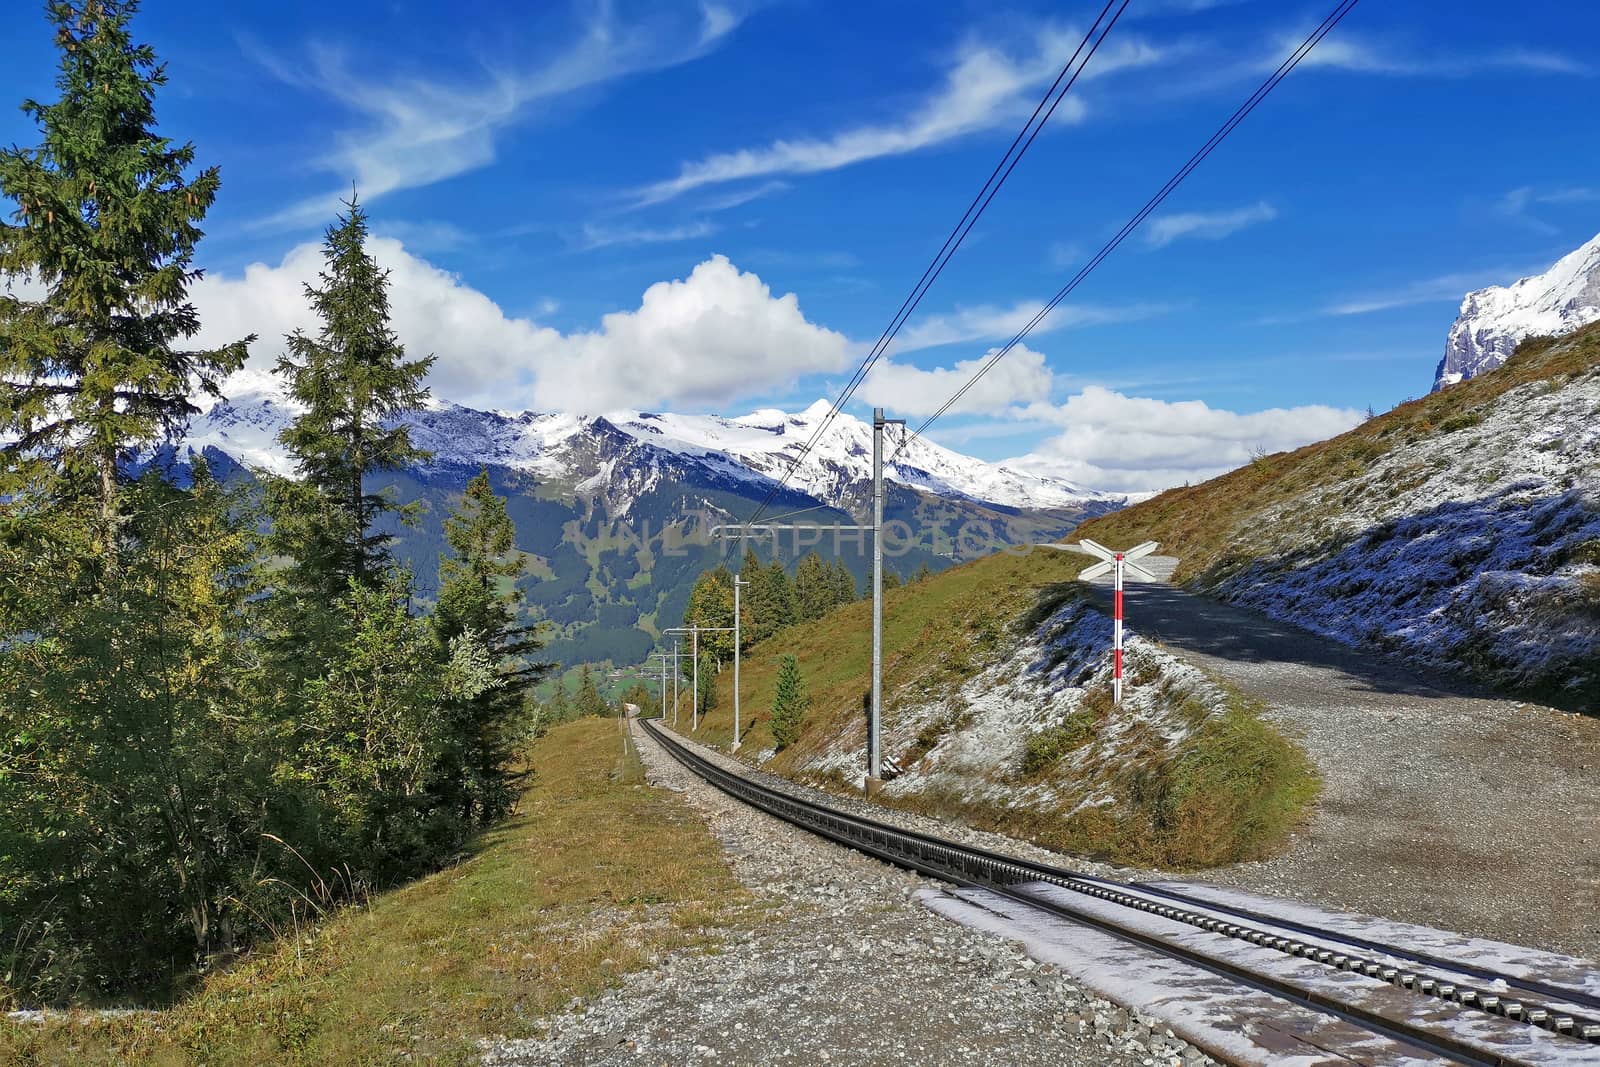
845	967
1442	805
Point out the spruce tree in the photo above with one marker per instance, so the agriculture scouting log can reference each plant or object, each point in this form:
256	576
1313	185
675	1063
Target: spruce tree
756	623
844	584
107	222
813	588
354	381
780	594
589	701
480	602
789	703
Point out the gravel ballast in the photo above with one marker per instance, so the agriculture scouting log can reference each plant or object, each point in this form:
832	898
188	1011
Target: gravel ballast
844	966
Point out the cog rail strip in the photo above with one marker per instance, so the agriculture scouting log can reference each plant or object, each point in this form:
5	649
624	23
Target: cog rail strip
1464	987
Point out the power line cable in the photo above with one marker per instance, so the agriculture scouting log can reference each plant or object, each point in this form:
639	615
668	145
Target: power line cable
1008	162
1250	104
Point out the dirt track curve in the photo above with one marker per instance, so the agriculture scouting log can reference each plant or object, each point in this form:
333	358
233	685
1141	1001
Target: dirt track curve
1442	805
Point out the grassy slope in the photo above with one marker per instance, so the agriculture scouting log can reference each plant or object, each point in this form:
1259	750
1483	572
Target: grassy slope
553	904
1234	791
1207	525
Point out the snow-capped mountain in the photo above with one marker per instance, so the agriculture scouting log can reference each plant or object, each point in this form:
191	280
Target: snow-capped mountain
620	454
1493	320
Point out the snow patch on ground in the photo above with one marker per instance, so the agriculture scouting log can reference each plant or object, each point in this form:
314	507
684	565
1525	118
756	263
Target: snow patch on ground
1471	548
967	748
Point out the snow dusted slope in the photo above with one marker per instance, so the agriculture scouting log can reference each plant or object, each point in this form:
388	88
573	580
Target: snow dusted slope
1460	530
589	451
1493	320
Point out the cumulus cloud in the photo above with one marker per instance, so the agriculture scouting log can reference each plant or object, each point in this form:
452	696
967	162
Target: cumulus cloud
1125	444
986	86
1206	225
1020	378
710	338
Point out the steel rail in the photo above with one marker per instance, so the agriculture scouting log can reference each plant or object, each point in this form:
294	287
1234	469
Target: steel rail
974	866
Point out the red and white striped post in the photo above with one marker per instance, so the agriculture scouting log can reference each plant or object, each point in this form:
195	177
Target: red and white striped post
1116	615
1117	564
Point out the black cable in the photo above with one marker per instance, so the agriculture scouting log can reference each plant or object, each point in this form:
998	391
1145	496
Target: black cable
952	243
1255	98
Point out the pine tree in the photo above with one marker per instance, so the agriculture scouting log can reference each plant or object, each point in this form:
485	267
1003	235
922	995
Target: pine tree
923	571
589	701
780	595
354	380
813	588
708	682
755	608
789	703
473	608
844	584
108	223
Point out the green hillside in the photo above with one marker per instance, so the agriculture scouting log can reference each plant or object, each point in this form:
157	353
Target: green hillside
1011	644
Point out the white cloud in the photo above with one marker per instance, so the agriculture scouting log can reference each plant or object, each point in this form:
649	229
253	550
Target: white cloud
595	236
417	131
985	322
1209	226
743	196
1127	444
1350	52
985	87
425	236
716	336
1020	378
1445	287
1516	203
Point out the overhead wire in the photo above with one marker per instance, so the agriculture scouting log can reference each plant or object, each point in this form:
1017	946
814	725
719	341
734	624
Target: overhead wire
1293	60
1046	107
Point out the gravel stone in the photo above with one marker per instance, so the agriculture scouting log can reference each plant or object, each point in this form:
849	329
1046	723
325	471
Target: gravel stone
845	967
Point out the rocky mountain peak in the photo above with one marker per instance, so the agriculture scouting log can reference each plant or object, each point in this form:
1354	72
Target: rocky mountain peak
1494	320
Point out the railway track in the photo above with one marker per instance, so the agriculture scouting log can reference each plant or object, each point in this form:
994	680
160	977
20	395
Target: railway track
1445	1008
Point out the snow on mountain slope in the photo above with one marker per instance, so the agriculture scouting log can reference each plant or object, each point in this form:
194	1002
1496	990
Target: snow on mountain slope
588	450
1493	320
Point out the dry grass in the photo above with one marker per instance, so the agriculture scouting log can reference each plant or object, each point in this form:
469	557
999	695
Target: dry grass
1202	523
596	875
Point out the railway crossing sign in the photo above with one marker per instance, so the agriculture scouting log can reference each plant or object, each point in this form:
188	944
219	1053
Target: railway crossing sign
1118	564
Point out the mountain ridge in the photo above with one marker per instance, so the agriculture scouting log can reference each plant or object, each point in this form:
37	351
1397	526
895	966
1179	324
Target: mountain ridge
1494	320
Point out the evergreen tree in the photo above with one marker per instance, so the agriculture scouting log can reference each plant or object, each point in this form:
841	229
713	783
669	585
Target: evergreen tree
813	588
923	571
779	595
844	584
789	703
558	708
891	579
353	380
479	602
708	682
107	222
755	623
589	701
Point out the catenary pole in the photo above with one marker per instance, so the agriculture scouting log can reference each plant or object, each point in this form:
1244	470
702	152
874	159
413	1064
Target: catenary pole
875	712
738	583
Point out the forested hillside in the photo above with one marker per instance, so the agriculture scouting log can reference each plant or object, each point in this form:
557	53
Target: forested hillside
220	711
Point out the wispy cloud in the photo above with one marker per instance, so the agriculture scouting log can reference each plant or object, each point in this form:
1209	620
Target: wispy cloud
1361	55
594	236
1517	203
415	131
989	323
985	86
1206	225
743	196
1451	287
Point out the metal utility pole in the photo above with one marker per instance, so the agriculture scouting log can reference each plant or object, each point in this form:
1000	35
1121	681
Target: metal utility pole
665	658
1116	564
738	584
694	633
677	672
875	714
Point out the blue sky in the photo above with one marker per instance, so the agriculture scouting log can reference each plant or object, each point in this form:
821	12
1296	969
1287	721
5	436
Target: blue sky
717	206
